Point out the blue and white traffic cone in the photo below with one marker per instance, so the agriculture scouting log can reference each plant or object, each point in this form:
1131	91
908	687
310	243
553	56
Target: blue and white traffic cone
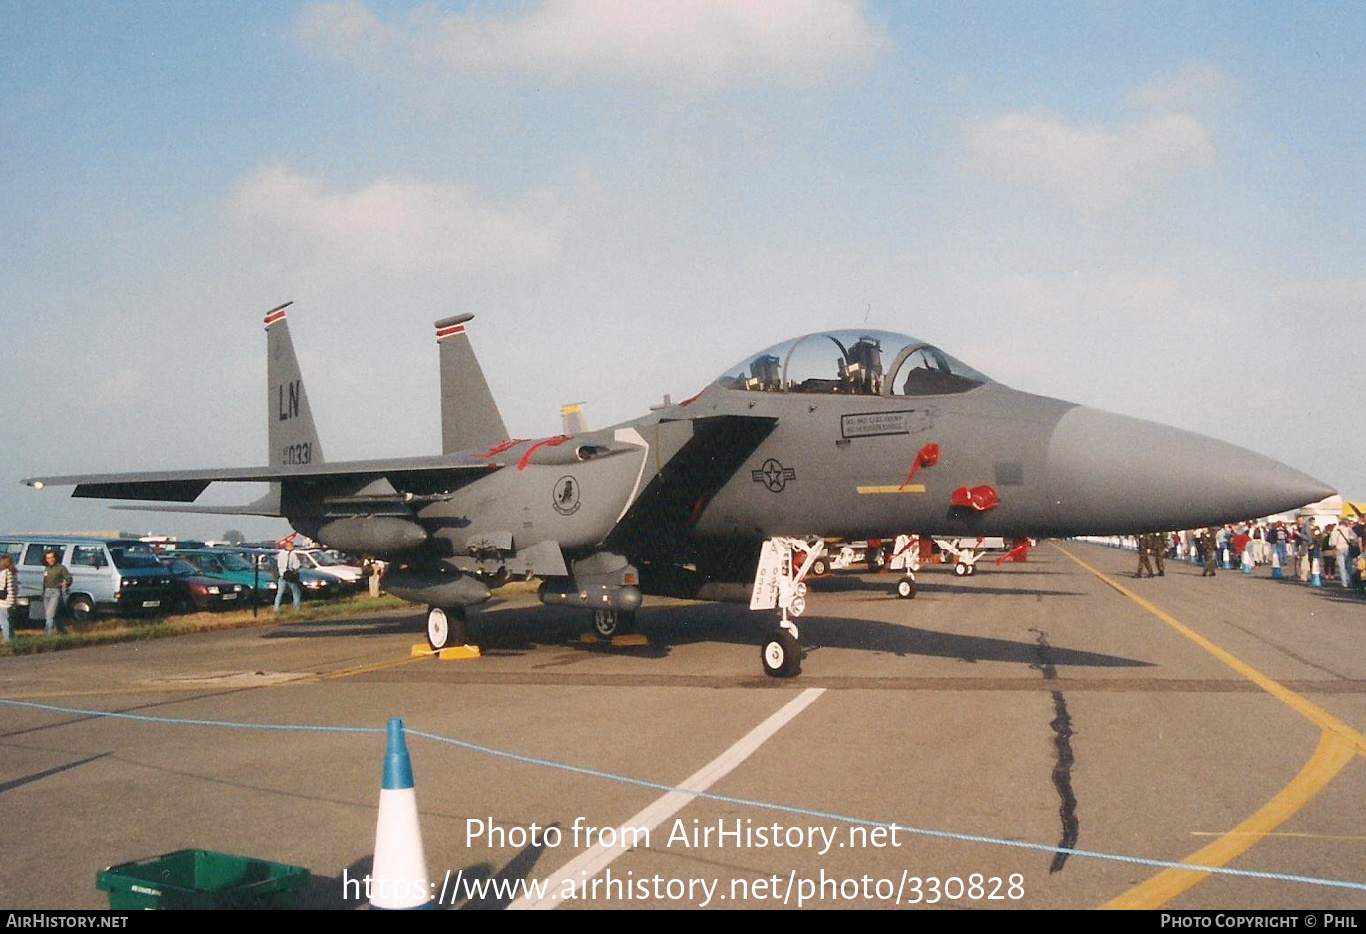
1316	576
1276	566
398	877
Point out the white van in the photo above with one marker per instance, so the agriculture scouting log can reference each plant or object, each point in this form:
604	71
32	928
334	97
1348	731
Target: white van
115	575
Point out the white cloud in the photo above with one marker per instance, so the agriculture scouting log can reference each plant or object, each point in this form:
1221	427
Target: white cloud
397	225
1092	167
1193	88
1098	167
700	43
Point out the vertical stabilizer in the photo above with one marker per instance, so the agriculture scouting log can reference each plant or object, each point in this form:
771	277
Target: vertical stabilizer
469	416
572	419
292	436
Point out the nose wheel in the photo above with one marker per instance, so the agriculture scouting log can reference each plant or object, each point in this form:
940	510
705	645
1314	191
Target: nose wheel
905	588
781	655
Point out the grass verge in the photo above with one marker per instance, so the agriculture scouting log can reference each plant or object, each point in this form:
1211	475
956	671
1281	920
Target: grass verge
135	629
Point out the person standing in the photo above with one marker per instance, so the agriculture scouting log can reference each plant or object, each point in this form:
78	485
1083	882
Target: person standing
1211	552
9	594
1304	540
56	583
1159	540
371	570
1145	544
287	566
1343	538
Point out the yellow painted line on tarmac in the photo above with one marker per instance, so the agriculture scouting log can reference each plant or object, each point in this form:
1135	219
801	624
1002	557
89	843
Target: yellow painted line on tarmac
1335	837
1296	702
1332	754
1338	745
909	488
356	670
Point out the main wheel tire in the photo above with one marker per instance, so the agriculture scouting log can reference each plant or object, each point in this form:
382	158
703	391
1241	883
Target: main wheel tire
438	628
960	569
81	608
905	588
820	567
781	655
446	627
972	569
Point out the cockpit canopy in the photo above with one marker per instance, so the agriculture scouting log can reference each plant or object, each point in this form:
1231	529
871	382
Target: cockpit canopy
863	363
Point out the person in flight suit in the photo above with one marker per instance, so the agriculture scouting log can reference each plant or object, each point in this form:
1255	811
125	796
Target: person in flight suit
1160	552
1145	545
1211	554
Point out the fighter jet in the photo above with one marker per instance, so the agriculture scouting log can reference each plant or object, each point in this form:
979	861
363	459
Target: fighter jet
854	434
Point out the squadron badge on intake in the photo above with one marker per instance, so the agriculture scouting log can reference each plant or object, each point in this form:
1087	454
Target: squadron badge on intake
566	498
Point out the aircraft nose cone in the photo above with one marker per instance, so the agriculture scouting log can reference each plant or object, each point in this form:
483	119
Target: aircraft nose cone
1111	474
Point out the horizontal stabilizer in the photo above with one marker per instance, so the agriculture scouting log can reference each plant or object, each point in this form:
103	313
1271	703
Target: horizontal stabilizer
176	491
268	505
247	509
415	474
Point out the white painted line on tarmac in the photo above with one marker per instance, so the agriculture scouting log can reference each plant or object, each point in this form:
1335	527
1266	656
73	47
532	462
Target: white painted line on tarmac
595	859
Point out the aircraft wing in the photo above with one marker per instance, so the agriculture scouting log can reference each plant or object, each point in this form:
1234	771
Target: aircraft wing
409	474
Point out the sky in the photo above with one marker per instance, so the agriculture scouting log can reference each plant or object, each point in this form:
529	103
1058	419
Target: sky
1158	209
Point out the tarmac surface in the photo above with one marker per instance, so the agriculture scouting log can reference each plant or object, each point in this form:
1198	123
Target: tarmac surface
994	720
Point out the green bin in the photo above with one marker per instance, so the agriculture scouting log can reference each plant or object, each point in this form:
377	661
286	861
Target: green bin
201	879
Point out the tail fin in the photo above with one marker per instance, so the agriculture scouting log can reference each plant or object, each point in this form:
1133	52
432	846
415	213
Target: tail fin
572	418
469	416
293	437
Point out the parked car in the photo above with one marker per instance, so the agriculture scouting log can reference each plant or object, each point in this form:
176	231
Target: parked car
228	565
315	559
107	574
195	591
313	583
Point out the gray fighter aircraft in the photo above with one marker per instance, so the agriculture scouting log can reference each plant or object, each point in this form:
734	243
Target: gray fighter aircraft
856	434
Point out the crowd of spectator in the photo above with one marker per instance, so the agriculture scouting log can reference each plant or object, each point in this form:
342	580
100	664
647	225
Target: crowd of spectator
1316	552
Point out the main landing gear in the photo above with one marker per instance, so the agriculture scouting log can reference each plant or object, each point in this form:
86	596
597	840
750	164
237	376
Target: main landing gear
779	584
906	559
966	553
446	626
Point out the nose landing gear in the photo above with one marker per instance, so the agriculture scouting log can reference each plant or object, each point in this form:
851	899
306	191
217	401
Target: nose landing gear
779	584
